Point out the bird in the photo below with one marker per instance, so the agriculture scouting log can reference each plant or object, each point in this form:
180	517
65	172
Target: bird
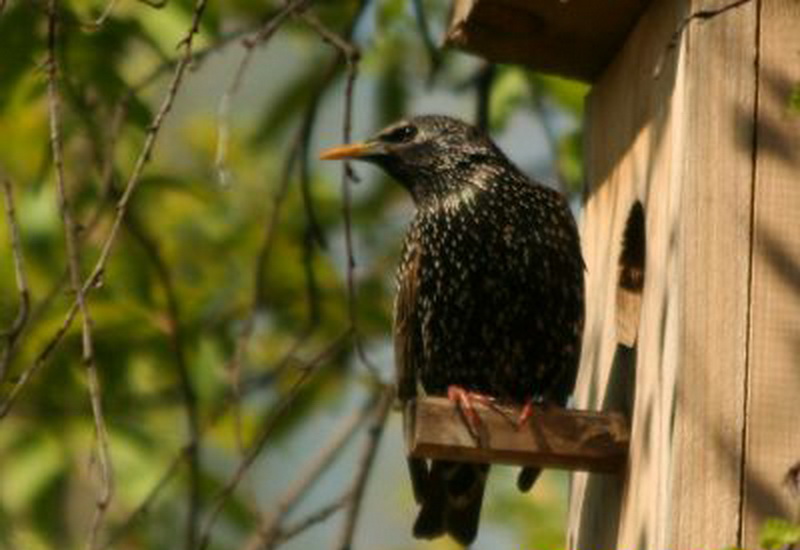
490	294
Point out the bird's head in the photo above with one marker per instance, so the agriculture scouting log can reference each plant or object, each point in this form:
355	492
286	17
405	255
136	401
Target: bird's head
431	156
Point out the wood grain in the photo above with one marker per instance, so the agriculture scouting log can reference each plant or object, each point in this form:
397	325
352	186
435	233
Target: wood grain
552	438
773	414
632	154
576	39
715	241
668	125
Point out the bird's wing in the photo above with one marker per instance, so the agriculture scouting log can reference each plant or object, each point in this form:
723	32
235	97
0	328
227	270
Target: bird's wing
408	352
407	337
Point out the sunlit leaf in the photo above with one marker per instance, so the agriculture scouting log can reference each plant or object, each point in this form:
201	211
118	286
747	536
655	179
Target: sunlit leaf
510	89
777	533
794	99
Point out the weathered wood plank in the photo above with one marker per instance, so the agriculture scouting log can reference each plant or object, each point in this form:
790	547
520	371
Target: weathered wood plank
714	275
632	153
552	438
668	126
576	39
773	415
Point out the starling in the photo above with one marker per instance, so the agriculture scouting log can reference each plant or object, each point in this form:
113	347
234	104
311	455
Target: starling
490	293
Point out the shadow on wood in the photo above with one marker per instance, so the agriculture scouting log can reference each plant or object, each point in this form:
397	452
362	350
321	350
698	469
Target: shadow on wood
552	438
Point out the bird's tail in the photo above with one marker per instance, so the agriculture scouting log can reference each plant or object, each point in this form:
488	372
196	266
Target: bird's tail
450	494
527	477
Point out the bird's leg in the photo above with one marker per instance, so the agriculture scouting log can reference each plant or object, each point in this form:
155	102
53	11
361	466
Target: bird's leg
527	412
528	409
464	399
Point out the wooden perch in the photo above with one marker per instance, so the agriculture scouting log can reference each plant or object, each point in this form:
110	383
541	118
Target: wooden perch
552	438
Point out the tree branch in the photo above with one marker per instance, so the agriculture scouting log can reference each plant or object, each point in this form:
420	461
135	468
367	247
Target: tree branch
12	334
172	469
95	278
370	449
249	43
351	55
73	260
319	515
270	525
270	423
176	339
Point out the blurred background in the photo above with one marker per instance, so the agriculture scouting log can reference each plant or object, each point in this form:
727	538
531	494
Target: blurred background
230	342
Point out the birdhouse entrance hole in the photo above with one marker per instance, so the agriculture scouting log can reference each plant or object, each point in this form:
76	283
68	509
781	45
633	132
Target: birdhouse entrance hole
631	276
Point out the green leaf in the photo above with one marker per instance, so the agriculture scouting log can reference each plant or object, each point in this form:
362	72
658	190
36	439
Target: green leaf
778	532
37	463
570	158
509	91
567	94
19	34
794	100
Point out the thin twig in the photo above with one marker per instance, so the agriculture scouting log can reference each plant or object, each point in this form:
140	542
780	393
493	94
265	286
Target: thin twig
198	56
255	38
297	154
270	423
147	148
101	19
12	334
434	53
234	366
484	80
310	276
321	514
315	234
95	278
176	338
73	259
218	412
366	460
96	23
349	51
144	507
105	161
249	43
270	525
351	55
38	362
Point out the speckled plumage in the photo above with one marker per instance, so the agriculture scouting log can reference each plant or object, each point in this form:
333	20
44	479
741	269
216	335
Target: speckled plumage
497	300
489	293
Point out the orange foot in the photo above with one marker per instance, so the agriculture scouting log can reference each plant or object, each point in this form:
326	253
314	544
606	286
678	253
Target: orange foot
464	400
527	412
529	409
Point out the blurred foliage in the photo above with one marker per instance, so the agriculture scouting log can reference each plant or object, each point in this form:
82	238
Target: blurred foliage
182	276
794	99
778	533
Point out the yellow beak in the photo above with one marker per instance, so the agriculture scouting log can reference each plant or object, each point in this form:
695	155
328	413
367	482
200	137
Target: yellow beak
351	151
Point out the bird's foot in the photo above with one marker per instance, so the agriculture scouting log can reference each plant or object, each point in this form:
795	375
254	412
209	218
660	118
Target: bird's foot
464	399
529	408
524	416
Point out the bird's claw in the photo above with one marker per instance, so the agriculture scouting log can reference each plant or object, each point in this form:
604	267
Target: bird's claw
525	414
464	399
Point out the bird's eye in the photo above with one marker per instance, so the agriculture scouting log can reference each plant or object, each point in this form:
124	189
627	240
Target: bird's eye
400	134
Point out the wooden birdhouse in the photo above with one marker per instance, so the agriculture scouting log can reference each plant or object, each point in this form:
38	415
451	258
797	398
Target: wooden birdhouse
691	236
